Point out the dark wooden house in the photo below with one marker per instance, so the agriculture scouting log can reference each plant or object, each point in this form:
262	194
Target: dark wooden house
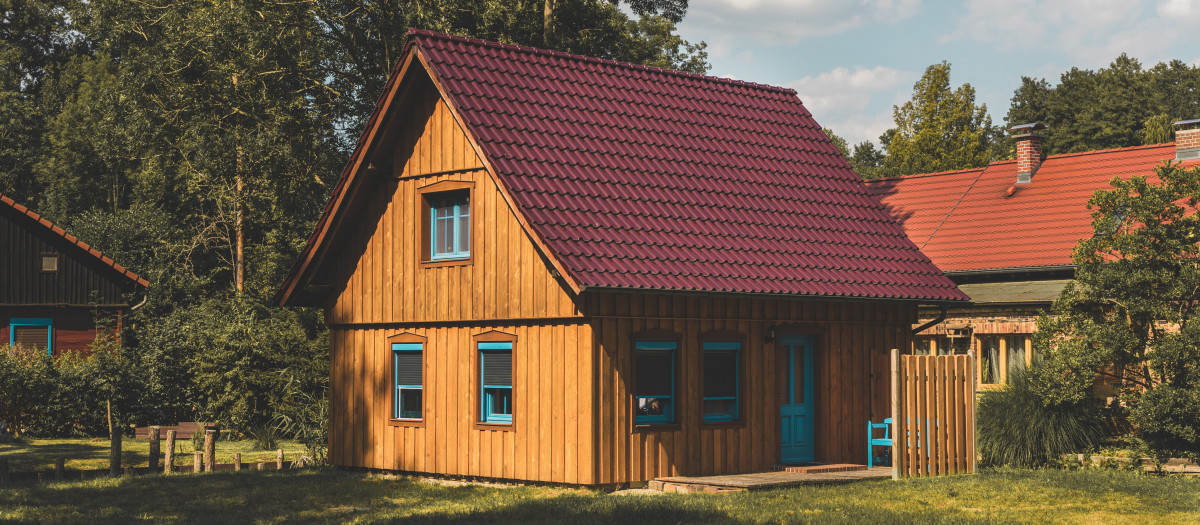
52	285
542	266
1005	233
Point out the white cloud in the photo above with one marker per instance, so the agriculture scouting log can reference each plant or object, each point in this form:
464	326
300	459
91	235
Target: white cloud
784	22
839	99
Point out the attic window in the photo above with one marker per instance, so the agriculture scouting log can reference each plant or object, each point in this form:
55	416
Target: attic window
446	223
49	262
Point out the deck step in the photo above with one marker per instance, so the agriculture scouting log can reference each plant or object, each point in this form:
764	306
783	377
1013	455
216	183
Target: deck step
685	488
819	469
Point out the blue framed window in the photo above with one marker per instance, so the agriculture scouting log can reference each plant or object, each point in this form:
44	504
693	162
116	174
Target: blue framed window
449	225
654	382
721	360
408	378
495	376
32	332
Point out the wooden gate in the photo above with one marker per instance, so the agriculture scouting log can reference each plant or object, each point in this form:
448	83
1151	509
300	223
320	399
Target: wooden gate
933	415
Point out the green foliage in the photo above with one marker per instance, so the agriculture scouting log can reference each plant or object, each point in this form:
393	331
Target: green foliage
27	379
304	416
1132	312
1020	428
1118	106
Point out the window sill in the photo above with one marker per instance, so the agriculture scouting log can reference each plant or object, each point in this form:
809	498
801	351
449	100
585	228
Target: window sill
657	427
496	427
445	262
406	422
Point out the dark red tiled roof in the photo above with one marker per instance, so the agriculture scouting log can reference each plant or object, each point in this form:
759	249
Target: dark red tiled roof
55	230
637	177
965	220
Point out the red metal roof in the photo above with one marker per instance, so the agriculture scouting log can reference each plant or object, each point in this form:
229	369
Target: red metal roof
965	221
55	230
638	177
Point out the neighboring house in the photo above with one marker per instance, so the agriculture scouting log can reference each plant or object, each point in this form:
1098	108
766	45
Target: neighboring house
542	266
1005	234
52	285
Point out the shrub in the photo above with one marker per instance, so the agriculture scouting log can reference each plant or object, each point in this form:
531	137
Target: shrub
1018	427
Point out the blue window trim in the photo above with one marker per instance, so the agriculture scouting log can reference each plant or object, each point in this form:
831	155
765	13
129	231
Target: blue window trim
668	415
734	347
488	394
457	215
32	321
398	348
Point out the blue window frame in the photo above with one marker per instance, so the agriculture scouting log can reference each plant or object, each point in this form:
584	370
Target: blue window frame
721	380
449	225
654	382
408	380
32	332
495	379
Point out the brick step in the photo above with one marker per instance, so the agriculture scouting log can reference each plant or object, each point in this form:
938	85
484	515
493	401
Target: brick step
819	469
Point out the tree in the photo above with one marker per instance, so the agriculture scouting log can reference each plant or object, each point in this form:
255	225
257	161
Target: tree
939	129
1137	278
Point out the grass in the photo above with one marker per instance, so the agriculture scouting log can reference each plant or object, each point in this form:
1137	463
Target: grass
326	495
30	455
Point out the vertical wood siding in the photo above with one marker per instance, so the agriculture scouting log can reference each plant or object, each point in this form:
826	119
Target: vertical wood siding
22	280
851	381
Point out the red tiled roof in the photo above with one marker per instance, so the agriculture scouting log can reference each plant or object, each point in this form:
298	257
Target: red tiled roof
965	221
42	222
638	177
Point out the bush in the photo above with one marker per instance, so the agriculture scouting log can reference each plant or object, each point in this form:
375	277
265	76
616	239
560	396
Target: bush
1018	427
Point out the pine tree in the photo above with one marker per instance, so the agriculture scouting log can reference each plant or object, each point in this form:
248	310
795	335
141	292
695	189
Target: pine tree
939	129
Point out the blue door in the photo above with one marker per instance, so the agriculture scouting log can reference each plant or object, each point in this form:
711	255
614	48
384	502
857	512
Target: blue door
796	400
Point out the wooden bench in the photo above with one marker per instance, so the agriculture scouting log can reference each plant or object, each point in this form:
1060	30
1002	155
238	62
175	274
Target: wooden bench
183	430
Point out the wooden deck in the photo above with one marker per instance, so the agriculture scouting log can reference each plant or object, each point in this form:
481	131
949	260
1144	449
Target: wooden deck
764	480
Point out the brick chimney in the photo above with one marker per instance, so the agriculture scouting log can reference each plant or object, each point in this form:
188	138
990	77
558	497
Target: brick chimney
1029	150
1187	139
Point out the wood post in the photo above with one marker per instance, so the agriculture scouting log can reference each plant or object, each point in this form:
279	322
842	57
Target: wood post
3	471
153	448
237	461
169	459
197	461
59	467
279	459
896	430
258	466
114	453
210	450
974	425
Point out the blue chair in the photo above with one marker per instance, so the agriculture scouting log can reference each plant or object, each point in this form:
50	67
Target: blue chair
885	441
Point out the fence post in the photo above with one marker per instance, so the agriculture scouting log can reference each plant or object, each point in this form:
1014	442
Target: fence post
258	466
897	435
974	423
59	466
279	459
210	450
237	461
3	471
114	452
169	459
153	461
197	461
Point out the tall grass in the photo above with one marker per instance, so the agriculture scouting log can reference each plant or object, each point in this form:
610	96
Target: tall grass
1018	428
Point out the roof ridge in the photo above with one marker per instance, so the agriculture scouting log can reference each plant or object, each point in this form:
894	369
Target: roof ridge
1109	150
59	231
606	61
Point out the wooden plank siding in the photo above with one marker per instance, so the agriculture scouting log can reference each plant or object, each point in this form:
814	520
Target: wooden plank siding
79	281
852	377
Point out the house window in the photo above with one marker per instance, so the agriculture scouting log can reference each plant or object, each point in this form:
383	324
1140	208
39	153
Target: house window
449	225
32	333
654	382
721	380
1014	350
989	360
496	395
49	262
408	378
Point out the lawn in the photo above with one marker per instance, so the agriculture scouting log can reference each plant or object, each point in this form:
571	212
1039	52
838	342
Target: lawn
326	495
85	454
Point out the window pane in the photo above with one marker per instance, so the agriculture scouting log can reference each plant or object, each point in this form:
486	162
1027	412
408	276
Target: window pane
653	406
720	373
921	346
464	227
989	357
1016	354
654	372
31	336
720	407
500	401
410	403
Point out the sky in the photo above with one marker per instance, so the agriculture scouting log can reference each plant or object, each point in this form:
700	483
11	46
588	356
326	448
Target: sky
850	61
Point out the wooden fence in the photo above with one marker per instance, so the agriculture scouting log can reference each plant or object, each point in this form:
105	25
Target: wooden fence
933	415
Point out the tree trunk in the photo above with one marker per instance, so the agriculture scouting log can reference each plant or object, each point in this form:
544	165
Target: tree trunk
547	23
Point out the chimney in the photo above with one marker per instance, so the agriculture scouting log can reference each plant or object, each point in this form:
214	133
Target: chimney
1029	150
1187	139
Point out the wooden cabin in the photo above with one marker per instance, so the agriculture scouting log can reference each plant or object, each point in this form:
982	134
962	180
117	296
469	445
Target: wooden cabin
547	267
1005	234
52	285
